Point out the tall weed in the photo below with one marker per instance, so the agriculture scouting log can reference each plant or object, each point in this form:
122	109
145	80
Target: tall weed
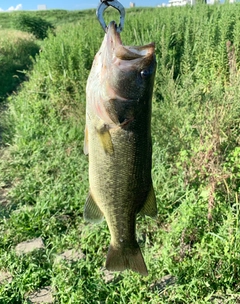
33	24
196	162
16	52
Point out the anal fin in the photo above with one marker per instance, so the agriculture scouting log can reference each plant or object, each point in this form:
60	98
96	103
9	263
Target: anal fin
92	213
150	207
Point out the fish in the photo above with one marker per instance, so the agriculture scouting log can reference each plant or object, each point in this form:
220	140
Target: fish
119	145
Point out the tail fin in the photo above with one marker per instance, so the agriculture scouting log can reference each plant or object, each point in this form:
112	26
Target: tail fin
119	259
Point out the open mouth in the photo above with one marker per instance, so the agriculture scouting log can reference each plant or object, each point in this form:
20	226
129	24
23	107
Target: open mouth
126	52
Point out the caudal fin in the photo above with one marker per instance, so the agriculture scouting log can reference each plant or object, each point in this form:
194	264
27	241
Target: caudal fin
119	259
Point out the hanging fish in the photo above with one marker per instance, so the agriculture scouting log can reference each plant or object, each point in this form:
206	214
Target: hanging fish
118	142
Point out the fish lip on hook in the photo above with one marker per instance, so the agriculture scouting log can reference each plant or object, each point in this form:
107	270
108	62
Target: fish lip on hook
103	6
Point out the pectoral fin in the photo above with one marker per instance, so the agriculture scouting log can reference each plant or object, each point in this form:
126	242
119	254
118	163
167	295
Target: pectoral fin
150	207
85	149
105	138
92	213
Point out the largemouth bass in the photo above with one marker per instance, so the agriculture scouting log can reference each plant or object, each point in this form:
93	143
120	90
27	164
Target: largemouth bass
118	142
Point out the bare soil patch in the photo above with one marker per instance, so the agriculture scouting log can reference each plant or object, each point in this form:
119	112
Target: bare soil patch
5	277
29	246
43	295
71	255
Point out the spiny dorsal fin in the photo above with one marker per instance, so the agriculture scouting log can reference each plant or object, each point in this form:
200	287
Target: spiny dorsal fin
150	207
92	213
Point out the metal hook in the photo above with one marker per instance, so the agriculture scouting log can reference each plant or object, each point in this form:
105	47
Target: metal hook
104	4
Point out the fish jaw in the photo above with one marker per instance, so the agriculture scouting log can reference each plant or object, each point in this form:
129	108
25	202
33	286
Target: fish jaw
122	73
130	70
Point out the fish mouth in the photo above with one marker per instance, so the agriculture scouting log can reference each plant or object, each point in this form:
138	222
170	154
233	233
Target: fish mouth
126	52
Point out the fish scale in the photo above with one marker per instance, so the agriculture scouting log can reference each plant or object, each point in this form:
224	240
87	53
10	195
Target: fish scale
118	143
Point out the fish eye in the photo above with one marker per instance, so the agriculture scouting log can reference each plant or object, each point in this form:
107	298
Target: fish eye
145	73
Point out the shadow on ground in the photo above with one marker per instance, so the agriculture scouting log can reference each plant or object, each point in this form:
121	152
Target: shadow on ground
16	57
14	61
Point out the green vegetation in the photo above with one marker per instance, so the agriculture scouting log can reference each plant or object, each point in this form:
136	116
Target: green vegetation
15	60
56	17
196	164
37	26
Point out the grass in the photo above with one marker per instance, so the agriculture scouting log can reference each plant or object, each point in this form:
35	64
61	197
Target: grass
15	60
17	52
194	241
57	17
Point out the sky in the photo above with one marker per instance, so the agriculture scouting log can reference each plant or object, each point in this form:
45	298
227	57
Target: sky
11	5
